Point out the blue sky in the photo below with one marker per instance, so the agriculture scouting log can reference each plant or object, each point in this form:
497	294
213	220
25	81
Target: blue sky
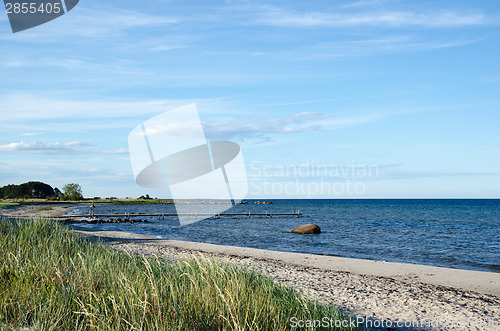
404	93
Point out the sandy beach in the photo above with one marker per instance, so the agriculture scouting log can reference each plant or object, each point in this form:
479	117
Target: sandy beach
49	210
388	295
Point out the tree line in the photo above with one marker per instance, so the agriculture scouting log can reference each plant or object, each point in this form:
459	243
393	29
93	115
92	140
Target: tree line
39	190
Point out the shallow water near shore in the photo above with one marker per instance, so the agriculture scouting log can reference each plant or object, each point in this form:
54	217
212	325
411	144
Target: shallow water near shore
449	233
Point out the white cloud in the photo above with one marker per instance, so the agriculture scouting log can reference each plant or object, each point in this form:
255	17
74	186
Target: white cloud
23	106
97	22
62	63
367	3
105	20
296	123
164	48
385	18
23	112
29	134
73	147
382	45
246	128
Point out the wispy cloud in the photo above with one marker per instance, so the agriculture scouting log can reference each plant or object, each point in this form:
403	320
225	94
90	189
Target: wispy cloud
381	45
63	63
96	22
396	171
59	148
24	112
24	106
367	3
29	134
165	48
249	128
270	15
245	128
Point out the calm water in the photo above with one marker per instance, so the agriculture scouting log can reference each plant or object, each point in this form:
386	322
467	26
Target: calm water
448	233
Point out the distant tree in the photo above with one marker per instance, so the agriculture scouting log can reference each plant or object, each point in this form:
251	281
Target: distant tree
35	190
11	192
145	197
72	192
58	193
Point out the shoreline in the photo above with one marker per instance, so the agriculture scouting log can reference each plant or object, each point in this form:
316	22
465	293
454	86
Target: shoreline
375	290
467	280
38	210
440	276
385	294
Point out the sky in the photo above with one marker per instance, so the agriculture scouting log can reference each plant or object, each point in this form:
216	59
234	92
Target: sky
327	99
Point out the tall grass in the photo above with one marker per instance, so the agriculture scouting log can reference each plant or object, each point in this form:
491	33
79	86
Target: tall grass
51	279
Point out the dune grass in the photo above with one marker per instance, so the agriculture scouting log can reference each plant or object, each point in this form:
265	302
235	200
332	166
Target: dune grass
51	279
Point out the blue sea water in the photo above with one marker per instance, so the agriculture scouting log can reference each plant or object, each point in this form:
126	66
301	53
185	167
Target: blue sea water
454	233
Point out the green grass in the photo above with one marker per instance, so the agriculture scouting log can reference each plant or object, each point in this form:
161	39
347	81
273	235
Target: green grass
8	205
51	279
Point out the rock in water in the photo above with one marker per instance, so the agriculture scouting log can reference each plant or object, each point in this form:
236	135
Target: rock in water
307	229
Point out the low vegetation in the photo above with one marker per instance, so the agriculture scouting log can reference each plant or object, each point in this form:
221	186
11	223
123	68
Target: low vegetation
51	279
8	205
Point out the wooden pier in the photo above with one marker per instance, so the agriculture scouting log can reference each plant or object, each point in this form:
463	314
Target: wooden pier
162	216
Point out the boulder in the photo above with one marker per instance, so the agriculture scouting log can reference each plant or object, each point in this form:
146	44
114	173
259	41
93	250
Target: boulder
307	229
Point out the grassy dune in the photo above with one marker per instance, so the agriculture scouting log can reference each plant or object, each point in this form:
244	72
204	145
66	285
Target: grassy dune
51	279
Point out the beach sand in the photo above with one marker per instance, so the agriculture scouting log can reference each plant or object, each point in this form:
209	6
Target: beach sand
37	210
418	297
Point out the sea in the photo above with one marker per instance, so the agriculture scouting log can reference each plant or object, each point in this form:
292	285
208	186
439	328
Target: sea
452	233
